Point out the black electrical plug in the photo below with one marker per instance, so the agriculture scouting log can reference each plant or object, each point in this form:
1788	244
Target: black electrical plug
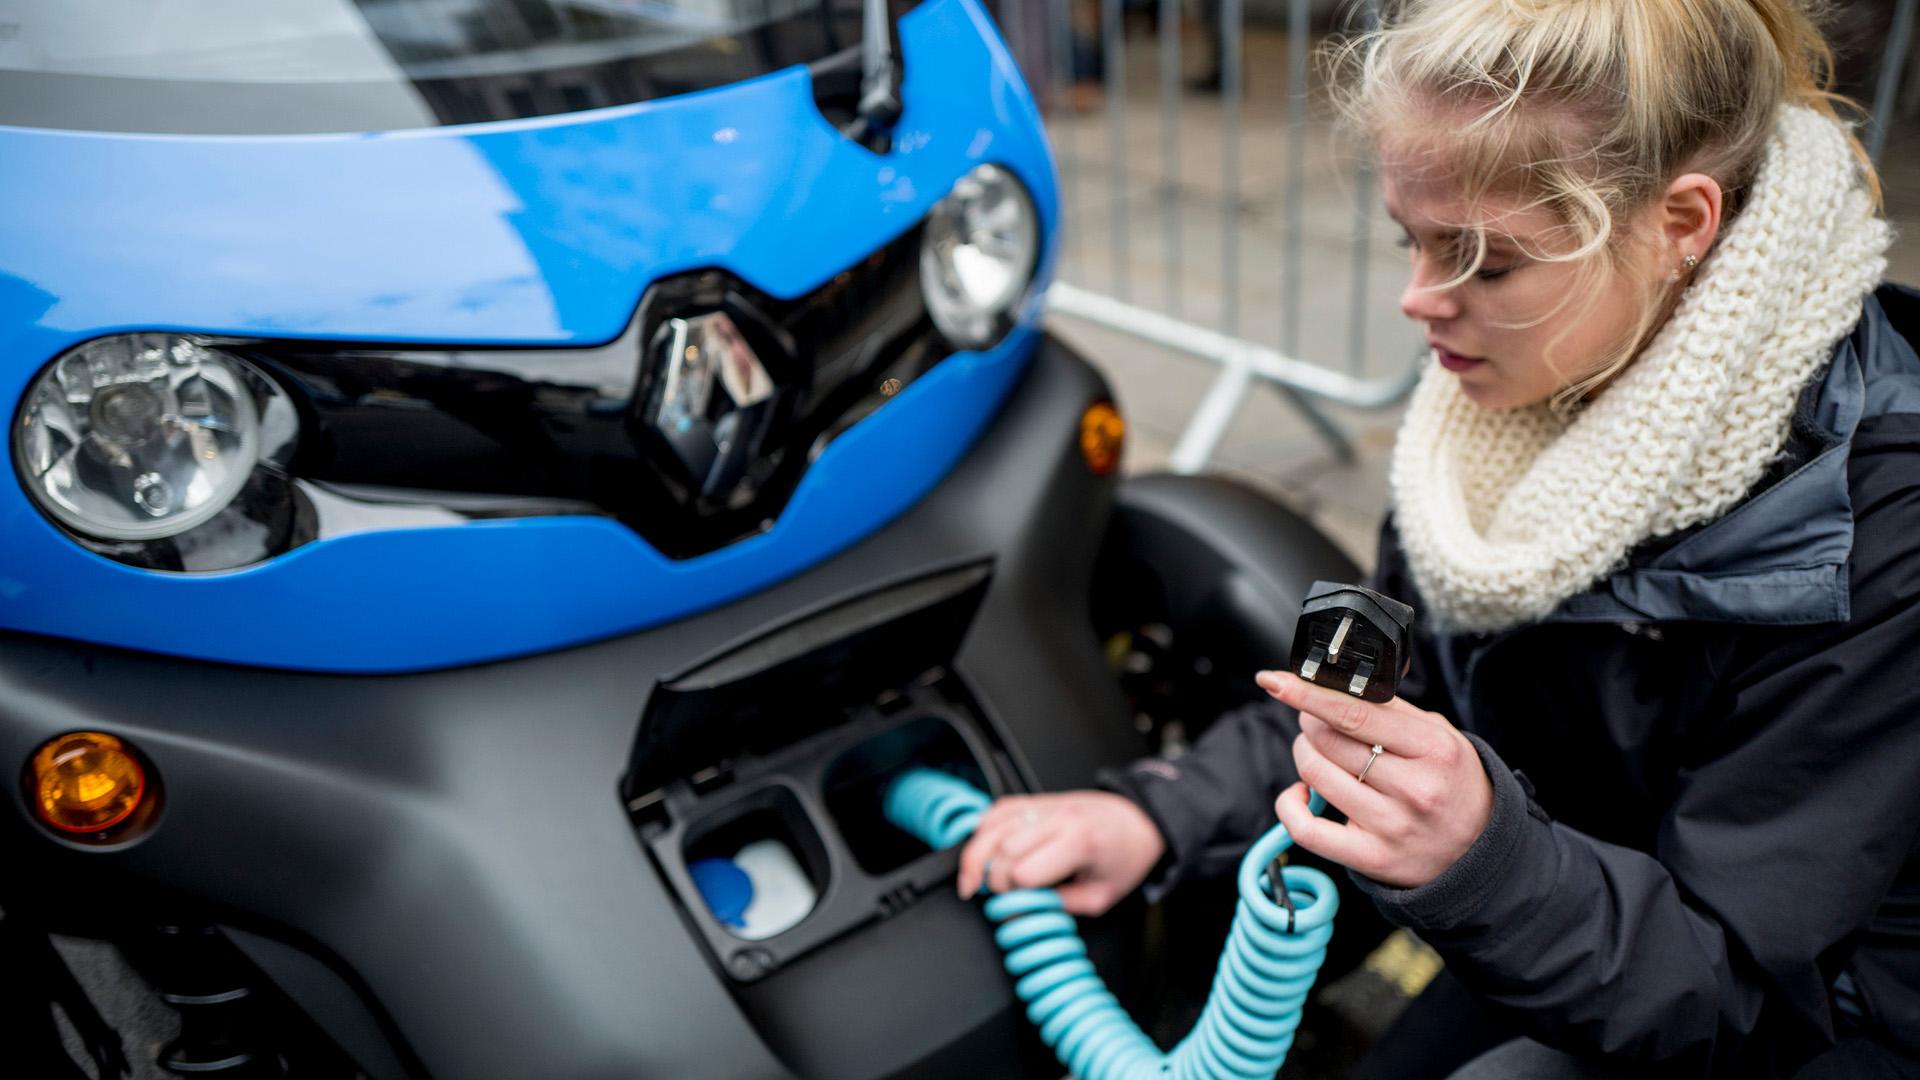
1353	640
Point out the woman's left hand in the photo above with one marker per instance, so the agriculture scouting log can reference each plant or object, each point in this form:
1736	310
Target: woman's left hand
1423	804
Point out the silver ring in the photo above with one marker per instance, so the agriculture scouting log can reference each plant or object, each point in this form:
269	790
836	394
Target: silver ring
1368	767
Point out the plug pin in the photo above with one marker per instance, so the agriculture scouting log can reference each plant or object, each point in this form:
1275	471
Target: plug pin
1361	676
1311	666
1339	639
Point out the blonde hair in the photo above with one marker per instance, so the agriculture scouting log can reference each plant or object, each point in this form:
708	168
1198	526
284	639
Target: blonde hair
1588	108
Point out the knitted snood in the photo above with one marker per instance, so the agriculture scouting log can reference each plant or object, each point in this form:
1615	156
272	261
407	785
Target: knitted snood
1503	514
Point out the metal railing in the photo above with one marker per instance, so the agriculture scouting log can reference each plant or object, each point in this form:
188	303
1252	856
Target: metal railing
1289	343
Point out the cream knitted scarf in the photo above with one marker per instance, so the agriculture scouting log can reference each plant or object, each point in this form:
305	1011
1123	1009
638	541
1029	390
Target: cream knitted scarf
1504	514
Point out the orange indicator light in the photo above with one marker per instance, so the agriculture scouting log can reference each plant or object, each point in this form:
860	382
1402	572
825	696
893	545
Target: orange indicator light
85	782
1102	433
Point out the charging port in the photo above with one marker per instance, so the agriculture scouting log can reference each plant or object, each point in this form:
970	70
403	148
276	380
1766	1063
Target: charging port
761	869
757	775
857	781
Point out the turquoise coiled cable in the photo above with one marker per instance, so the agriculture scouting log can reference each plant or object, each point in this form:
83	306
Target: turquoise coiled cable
1269	963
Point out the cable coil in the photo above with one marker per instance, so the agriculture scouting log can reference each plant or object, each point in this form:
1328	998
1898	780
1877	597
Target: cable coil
1270	960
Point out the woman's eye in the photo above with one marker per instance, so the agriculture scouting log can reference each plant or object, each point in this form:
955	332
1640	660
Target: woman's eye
1493	273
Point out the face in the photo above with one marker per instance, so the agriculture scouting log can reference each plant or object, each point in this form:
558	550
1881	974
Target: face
1520	328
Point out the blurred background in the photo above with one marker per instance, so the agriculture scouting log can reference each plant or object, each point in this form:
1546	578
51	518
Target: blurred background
1205	187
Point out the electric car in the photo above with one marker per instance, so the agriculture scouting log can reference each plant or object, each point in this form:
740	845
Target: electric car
491	479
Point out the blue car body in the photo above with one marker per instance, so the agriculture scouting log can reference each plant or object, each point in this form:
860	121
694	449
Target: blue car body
538	233
424	800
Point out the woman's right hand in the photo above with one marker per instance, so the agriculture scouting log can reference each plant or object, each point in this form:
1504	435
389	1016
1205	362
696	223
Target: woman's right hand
1100	844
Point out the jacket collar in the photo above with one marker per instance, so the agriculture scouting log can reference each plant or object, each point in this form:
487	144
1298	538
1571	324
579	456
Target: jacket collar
1779	558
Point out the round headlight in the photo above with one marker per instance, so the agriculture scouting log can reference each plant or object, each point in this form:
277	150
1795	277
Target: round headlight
137	436
977	256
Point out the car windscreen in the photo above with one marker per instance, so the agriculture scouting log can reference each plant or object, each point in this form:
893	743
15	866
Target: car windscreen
286	66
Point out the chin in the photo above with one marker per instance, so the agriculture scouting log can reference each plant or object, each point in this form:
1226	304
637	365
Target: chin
1487	395
1498	395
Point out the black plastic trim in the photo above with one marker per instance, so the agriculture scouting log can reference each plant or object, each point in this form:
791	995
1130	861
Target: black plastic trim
458	840
570	425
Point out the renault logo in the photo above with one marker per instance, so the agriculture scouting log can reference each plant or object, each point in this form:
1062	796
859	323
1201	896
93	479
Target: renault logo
714	399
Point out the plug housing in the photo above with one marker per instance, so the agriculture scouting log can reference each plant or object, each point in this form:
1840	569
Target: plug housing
1353	640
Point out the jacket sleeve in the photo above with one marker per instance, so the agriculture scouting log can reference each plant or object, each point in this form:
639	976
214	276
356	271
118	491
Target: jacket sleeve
1715	952
1213	801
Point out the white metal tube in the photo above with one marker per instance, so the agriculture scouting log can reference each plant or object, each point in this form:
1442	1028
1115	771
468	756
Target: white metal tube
1170	148
1269	364
1210	421
1290	275
1230	38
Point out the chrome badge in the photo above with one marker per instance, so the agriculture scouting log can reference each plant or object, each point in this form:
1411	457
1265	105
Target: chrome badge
714	399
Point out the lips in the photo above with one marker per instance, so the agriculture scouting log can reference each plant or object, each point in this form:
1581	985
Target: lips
1453	361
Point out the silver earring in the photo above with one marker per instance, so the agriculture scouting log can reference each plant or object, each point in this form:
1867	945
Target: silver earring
1690	261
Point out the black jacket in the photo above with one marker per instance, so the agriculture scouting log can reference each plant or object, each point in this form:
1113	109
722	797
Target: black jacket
1706	769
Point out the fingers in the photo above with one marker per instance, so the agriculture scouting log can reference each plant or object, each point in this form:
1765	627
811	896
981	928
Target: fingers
1343	844
1364	806
1058	858
1010	829
993	829
1013	852
1024	838
1101	844
1009	810
1088	897
1350	755
977	860
972	857
1396	725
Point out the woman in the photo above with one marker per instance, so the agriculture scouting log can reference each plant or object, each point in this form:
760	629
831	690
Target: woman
1652	786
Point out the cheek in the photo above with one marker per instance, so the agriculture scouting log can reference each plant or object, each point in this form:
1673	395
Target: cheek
1553	330
1598	327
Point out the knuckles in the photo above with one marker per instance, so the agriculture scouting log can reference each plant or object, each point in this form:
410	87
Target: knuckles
1351	715
1424	795
1079	845
1400	831
1343	717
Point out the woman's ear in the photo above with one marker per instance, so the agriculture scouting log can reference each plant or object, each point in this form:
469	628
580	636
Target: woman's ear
1689	215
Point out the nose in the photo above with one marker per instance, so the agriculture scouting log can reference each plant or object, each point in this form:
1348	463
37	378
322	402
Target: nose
1421	302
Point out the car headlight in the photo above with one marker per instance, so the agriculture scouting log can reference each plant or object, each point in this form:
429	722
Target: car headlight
977	256
139	436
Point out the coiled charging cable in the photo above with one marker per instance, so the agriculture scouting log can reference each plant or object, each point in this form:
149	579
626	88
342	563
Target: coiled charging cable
1272	955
